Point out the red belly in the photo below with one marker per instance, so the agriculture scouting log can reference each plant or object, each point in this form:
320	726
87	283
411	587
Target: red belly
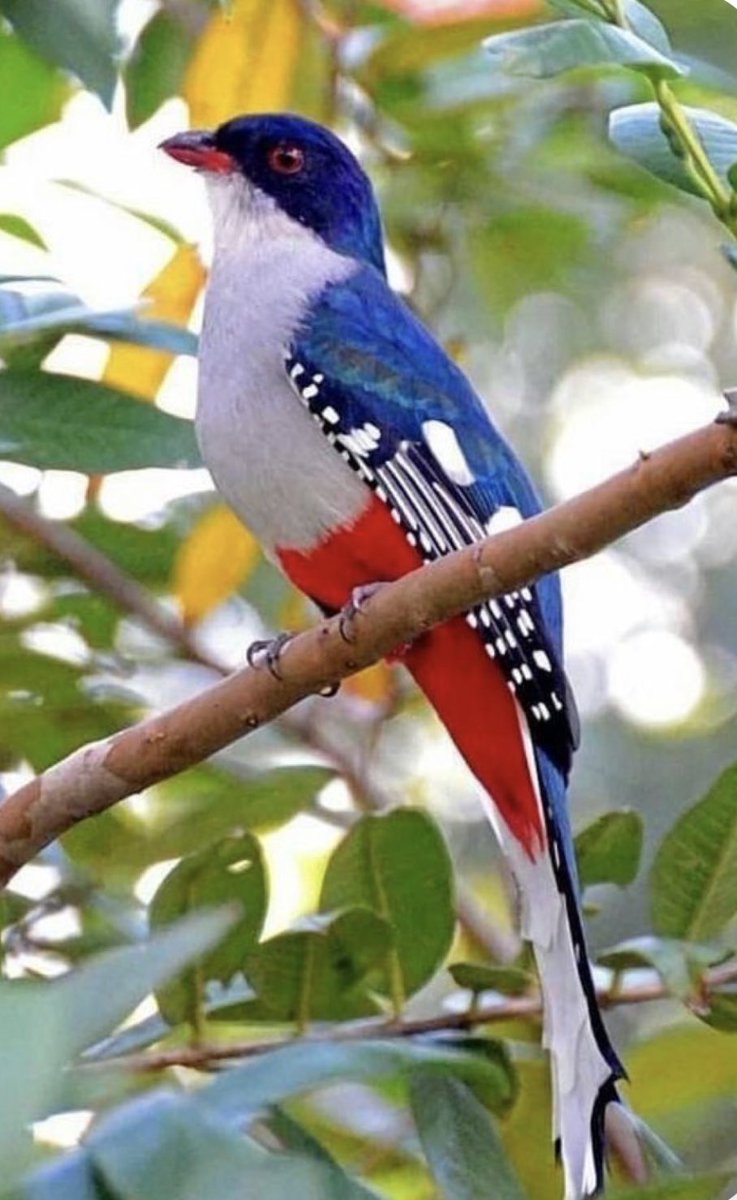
465	687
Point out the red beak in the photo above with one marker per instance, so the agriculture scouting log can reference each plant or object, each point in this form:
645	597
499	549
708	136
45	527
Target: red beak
196	148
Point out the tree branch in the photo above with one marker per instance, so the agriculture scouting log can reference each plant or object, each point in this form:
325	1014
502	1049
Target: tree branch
512	1008
97	776
107	578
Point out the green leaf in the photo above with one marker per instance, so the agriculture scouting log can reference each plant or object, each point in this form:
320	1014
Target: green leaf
18	227
33	92
170	1147
45	1025
462	1147
640	19
320	973
546	50
693	881
722	1010
609	850
477	977
294	1137
398	865
246	1091
637	132
58	421
691	1187
679	964
156	67
69	1178
166	1147
74	34
25	317
229	871
575	8
196	808
207	801
643	22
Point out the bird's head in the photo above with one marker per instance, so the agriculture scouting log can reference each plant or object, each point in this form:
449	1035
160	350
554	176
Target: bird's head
285	163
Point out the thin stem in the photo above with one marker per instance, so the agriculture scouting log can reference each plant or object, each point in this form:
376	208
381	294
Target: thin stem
513	1008
685	141
695	158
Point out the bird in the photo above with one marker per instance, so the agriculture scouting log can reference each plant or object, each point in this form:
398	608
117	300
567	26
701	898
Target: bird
354	448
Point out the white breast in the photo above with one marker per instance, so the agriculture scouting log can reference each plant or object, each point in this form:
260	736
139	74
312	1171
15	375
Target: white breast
264	450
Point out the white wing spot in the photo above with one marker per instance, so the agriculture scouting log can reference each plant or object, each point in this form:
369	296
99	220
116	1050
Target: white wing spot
525	623
446	449
542	660
310	391
505	517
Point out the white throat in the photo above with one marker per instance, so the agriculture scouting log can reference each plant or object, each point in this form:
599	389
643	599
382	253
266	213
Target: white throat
266	453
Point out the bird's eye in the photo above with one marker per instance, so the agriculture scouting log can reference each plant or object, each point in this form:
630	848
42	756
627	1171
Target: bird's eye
286	159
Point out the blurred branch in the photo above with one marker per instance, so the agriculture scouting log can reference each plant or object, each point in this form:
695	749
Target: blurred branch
98	775
512	1008
98	570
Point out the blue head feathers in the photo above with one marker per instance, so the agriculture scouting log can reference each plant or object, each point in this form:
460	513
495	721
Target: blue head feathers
304	168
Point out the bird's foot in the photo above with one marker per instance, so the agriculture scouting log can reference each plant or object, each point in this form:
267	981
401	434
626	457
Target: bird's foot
267	652
730	416
355	606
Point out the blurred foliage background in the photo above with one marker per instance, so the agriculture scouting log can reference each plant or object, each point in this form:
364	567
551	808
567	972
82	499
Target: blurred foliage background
594	310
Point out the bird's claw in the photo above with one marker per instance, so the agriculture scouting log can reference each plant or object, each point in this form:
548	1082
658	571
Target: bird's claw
355	606
267	652
729	417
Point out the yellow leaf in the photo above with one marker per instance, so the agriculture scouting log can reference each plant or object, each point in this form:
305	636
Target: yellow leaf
376	684
172	294
216	558
245	61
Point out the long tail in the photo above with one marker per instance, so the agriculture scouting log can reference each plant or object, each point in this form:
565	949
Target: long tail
527	807
584	1064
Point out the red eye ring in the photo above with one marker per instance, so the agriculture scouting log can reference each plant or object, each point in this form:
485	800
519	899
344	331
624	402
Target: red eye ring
286	158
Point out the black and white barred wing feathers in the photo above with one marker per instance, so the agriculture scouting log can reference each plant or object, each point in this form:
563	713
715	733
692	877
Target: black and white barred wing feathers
418	469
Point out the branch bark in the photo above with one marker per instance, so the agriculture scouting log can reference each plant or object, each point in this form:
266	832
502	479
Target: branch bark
98	775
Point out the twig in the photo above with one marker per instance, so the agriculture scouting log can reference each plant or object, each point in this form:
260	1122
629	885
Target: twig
97	776
512	1008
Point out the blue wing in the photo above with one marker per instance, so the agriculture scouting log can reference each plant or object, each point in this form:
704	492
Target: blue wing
382	389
